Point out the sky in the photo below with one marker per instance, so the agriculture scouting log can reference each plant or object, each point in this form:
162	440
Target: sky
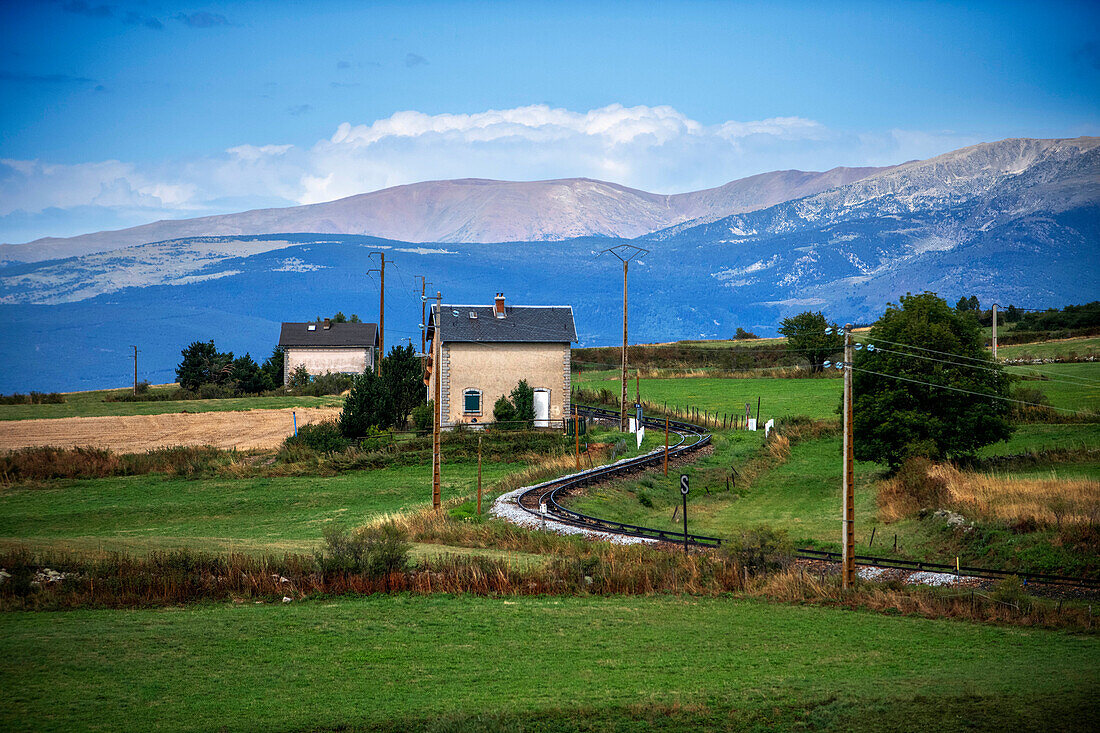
114	114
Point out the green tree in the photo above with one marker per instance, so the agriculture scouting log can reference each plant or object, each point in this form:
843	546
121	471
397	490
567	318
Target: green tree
339	317
806	338
368	405
743	335
248	375
299	377
895	418
504	411
203	364
273	368
403	378
523	399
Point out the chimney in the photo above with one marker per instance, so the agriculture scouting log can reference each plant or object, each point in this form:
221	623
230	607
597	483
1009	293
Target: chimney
498	309
328	324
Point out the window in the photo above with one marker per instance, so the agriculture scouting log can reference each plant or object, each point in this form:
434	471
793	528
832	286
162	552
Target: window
471	402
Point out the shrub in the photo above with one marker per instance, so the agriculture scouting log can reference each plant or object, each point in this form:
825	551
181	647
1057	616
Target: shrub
34	398
299	378
367	406
504	411
917	481
760	550
743	335
422	418
373	551
324	437
143	387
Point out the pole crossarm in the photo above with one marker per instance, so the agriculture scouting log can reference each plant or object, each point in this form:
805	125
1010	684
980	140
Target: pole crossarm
625	253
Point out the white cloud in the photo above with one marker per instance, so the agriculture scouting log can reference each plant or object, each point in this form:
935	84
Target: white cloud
655	148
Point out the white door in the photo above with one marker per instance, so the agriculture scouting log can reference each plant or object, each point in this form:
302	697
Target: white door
542	408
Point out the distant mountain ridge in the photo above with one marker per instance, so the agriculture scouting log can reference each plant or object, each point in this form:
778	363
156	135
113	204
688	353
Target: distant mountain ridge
1017	221
471	210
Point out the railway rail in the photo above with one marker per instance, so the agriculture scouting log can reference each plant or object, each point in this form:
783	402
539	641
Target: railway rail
543	501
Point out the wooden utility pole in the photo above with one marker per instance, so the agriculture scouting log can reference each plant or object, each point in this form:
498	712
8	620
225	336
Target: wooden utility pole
135	369
437	413
479	475
625	252
381	310
423	322
848	537
994	332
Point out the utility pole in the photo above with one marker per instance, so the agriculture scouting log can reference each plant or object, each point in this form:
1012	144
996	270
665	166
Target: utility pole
994	332
848	538
135	368
437	413
479	475
381	310
423	316
625	252
577	435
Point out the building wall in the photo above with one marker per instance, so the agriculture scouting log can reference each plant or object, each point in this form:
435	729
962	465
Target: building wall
495	369
318	360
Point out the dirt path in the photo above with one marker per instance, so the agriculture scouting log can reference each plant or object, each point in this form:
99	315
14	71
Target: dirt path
137	433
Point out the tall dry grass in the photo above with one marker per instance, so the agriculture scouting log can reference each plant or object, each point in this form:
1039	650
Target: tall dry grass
1054	501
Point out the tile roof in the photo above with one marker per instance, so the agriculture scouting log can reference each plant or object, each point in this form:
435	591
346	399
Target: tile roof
362	335
523	324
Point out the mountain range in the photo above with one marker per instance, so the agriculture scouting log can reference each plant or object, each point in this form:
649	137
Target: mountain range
1016	221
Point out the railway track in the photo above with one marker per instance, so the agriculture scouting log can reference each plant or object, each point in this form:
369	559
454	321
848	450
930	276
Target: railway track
543	500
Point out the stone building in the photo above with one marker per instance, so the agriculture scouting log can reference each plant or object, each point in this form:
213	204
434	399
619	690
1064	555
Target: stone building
485	350
325	346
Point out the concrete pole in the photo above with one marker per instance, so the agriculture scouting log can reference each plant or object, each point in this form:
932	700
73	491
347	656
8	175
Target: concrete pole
848	541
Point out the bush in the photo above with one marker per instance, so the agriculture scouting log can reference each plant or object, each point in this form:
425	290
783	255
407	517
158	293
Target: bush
760	550
34	398
372	551
324	437
504	411
743	335
367	406
143	387
916	481
299	378
422	418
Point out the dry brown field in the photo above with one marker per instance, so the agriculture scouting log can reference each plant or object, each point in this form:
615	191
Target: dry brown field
137	433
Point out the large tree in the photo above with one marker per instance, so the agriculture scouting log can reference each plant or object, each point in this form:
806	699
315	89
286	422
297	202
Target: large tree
929	387
403	377
368	405
203	364
806	338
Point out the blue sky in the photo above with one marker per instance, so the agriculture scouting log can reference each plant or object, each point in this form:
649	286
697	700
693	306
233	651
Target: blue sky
116	113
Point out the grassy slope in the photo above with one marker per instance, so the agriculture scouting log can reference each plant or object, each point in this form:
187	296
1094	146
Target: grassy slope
153	511
405	661
802	496
1078	388
1048	349
91	404
817	398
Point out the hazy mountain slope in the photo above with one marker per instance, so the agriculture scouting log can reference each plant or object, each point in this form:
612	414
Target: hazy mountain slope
471	210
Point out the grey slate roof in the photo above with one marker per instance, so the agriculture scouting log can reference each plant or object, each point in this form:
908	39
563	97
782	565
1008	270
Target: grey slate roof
524	324
362	335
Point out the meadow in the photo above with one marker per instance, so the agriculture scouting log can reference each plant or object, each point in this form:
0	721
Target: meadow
536	663
95	404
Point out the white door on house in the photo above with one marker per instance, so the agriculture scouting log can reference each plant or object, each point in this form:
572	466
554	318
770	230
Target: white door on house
542	408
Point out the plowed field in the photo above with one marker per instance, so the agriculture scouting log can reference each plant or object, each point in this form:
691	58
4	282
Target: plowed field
137	433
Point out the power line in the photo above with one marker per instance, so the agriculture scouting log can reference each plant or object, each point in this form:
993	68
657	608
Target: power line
987	369
966	391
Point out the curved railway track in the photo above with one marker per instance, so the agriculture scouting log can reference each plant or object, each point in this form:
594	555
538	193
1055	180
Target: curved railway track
542	500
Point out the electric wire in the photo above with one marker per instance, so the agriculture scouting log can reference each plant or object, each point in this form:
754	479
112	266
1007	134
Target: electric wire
984	368
966	391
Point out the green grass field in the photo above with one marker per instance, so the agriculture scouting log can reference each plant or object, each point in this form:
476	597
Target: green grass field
91	404
817	398
469	663
1070	386
1048	349
141	513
